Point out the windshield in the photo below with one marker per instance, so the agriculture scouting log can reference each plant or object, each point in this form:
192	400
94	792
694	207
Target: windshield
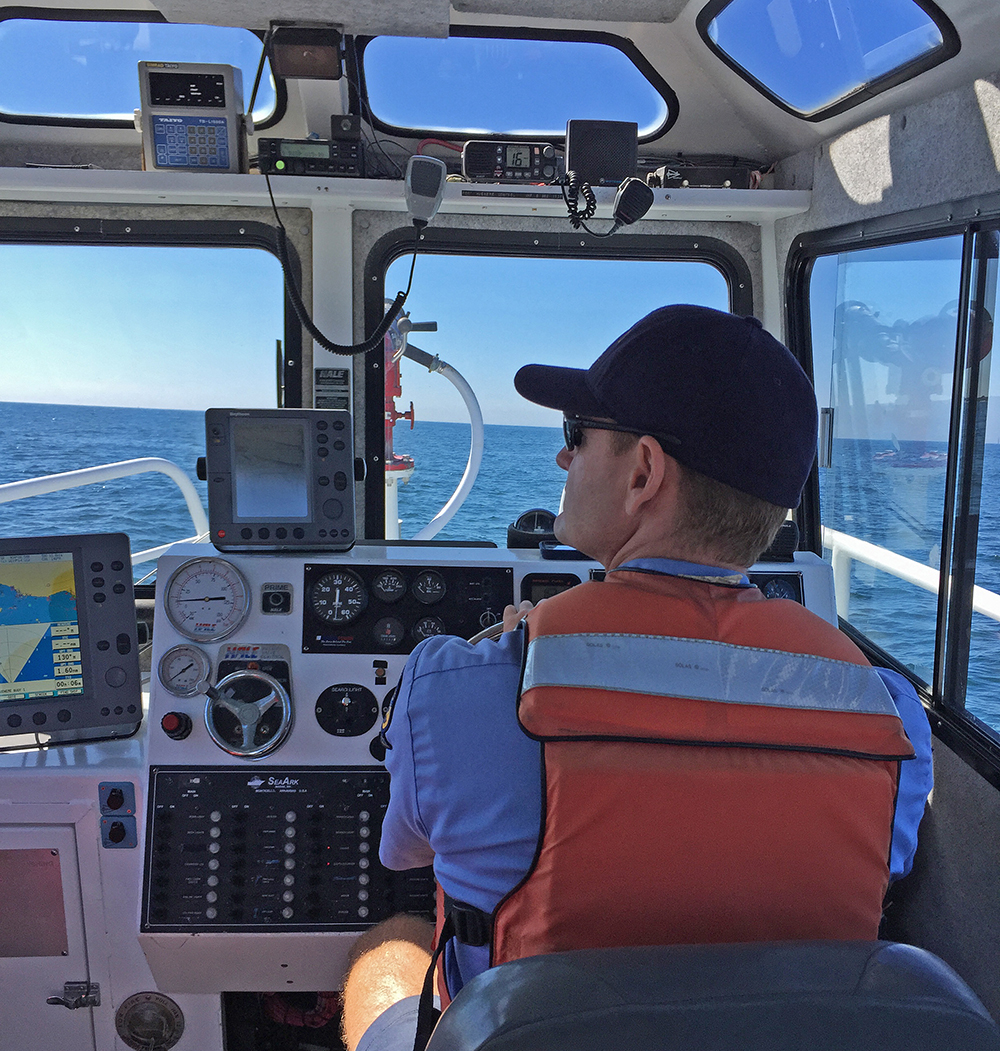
495	314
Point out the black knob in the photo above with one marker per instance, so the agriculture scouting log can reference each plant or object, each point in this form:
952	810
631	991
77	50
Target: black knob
116	798
117	832
377	749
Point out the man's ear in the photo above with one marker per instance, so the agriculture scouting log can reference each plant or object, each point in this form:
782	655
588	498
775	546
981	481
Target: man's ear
652	472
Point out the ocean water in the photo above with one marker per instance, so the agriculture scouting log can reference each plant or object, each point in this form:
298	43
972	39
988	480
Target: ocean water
892	497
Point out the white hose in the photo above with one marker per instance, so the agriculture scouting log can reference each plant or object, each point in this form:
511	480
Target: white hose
447	513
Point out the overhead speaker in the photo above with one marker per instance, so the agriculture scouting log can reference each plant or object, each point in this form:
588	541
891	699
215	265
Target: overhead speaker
305	53
602	152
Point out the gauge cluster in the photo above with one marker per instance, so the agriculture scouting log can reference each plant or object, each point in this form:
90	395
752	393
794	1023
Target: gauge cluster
389	609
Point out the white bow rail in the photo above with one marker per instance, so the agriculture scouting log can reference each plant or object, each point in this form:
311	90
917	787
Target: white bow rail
846	548
52	483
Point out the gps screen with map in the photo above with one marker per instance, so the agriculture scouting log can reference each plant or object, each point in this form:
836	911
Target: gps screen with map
39	627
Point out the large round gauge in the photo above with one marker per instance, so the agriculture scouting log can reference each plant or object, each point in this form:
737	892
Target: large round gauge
182	668
338	597
207	599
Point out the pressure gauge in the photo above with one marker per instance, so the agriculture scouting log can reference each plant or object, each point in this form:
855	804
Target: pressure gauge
338	597
207	599
182	668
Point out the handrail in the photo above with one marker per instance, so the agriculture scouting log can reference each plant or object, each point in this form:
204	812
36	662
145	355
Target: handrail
846	548
53	483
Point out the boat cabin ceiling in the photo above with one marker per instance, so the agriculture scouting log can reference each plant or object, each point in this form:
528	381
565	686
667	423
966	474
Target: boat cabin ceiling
835	164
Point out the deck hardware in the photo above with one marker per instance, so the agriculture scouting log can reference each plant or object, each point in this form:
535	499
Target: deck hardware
77	994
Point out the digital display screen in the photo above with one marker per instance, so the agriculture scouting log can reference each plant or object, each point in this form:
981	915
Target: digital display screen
270	480
39	627
305	149
518	157
187	90
538	586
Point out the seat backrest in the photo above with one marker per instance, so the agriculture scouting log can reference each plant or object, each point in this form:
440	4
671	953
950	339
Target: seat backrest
807	996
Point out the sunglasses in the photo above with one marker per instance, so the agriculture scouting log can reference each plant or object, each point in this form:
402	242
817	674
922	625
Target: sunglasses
574	426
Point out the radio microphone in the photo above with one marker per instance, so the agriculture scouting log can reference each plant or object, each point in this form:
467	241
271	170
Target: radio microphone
425	178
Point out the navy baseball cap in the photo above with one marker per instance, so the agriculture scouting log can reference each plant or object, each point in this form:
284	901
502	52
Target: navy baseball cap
724	397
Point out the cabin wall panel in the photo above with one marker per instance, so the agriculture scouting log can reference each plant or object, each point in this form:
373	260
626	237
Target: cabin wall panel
950	903
933	153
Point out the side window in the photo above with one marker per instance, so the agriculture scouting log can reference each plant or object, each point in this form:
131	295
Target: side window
114	352
885	335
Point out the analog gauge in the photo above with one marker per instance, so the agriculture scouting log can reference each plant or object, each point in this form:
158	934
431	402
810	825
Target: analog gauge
427	627
389	585
207	599
338	597
429	587
779	587
389	633
182	668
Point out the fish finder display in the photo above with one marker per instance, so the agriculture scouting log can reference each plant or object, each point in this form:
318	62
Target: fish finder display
269	469
39	627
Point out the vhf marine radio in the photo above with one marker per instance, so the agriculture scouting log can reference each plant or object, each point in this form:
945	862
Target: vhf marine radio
485	160
191	117
280	479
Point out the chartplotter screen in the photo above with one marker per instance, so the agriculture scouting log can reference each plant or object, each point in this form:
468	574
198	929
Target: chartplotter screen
39	627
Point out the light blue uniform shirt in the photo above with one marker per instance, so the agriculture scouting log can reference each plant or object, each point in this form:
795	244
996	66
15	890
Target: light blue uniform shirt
466	783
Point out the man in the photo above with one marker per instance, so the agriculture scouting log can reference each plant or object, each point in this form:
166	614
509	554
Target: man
664	756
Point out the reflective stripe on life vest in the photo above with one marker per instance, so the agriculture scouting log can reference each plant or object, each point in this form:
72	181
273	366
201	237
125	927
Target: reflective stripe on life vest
697	669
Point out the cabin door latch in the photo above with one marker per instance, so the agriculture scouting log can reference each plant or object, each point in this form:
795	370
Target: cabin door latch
77	994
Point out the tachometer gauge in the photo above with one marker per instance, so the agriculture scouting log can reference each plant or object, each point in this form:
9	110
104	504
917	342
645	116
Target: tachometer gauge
207	599
182	668
338	597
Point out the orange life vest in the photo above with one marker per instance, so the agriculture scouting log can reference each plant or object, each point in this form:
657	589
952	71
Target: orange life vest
717	768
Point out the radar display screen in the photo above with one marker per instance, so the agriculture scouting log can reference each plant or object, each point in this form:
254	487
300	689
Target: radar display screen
269	469
39	627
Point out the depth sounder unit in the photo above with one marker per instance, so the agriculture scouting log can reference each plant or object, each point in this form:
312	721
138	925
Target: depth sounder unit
280	479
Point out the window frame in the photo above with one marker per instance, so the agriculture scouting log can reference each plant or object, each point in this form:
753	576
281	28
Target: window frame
970	737
950	47
176	233
359	101
526	244
55	14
